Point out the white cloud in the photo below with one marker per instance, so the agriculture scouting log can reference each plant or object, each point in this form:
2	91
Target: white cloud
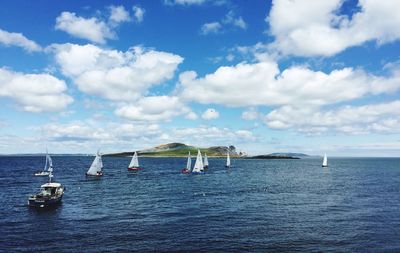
34	92
218	26
213	27
118	14
191	116
155	108
230	18
88	136
377	118
112	74
239	22
92	29
138	13
211	135
19	40
184	2
251	114
263	83
210	113
314	28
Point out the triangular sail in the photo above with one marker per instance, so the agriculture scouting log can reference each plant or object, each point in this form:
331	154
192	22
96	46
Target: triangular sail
189	162
96	166
198	165
50	163
325	161
205	160
228	160
135	161
45	165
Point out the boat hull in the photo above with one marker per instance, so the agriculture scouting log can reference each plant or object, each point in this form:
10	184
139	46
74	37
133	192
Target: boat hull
42	174
134	168
44	202
198	173
100	174
185	171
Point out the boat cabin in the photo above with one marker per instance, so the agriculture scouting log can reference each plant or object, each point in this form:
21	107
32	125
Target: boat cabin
50	188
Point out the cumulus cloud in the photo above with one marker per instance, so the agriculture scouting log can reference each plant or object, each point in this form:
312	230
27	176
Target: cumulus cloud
262	83
18	40
113	74
230	19
378	118
118	14
92	29
89	135
191	116
34	92
210	113
211	135
213	27
138	13
184	2
155	108
316	28
251	114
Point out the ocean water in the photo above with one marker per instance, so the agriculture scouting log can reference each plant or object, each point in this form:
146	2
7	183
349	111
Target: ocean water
256	206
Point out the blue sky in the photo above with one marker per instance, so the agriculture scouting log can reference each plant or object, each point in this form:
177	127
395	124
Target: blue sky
280	76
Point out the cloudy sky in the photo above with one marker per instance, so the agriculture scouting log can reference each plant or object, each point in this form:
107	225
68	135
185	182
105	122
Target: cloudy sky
291	75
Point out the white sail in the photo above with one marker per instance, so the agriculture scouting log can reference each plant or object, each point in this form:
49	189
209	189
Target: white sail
50	163
189	162
45	165
205	160
96	166
198	165
325	161
228	160
134	162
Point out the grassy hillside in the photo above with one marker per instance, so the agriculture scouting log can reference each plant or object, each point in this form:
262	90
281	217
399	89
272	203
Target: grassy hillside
180	150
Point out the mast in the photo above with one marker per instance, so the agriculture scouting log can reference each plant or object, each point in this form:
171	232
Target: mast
50	170
45	165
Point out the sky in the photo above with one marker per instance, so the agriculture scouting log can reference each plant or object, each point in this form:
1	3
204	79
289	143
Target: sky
265	76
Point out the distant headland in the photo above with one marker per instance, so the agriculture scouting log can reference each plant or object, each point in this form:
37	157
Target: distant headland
176	149
181	150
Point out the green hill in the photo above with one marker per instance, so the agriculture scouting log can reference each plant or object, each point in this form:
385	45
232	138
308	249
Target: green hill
180	150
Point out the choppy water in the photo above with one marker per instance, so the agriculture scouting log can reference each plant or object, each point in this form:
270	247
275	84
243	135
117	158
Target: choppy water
256	206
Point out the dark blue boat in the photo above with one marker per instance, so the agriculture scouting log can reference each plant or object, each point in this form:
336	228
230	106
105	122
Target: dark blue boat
49	196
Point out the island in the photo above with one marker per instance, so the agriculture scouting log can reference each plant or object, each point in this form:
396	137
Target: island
181	150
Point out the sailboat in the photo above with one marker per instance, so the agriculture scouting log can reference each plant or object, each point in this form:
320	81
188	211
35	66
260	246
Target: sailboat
96	167
188	165
134	165
47	166
325	161
228	160
205	162
50	194
198	165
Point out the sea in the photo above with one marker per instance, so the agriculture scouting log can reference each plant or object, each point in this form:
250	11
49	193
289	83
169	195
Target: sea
255	206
